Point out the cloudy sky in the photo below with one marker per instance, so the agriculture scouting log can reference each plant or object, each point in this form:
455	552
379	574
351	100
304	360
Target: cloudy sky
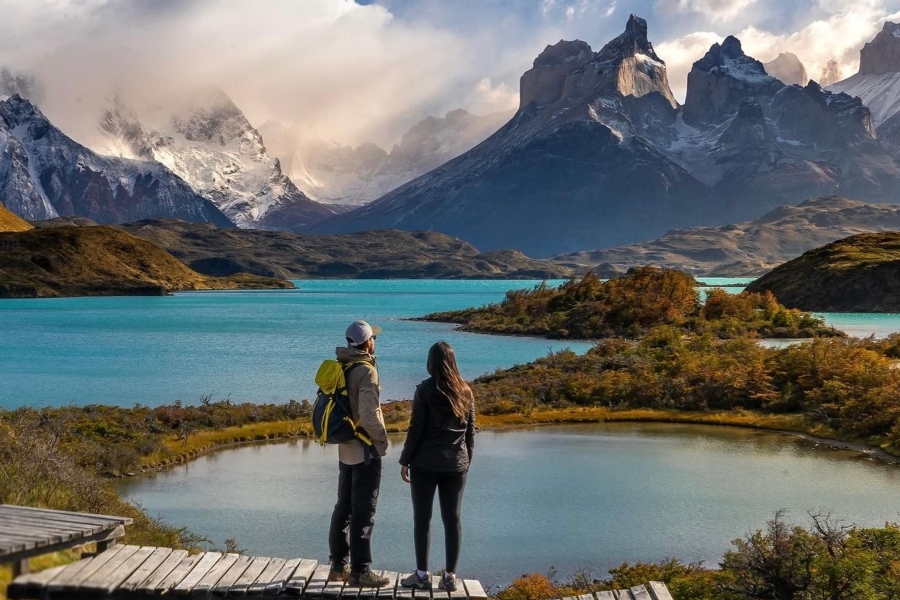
367	69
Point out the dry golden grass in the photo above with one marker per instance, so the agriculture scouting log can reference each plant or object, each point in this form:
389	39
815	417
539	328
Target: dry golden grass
12	222
793	423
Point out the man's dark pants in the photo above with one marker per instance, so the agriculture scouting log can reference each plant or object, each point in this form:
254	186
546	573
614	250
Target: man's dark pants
354	515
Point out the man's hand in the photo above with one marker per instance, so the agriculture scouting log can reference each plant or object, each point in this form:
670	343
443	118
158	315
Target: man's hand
404	473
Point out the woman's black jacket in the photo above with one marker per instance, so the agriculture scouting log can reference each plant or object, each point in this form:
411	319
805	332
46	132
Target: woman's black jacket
437	439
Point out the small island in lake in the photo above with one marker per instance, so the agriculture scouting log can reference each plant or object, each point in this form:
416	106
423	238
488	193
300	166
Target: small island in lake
646	297
860	273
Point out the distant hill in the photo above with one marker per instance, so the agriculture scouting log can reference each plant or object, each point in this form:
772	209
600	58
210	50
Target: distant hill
860	273
11	222
99	261
378	254
749	248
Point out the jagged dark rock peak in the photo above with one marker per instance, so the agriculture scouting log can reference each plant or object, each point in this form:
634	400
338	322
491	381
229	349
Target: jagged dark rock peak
719	82
773	143
632	41
577	166
882	54
45	174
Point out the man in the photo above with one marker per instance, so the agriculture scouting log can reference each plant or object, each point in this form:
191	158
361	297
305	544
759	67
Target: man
350	538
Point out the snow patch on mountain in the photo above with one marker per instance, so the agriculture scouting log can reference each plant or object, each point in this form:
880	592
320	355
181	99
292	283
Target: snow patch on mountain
210	144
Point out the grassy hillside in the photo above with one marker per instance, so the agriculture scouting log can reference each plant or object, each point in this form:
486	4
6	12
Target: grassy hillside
100	261
11	222
366	255
749	248
860	273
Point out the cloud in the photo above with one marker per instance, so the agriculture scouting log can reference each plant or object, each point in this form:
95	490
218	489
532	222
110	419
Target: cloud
715	10
359	72
353	71
679	55
487	97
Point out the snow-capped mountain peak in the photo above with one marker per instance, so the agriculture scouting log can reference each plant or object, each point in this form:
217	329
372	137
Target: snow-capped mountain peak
210	144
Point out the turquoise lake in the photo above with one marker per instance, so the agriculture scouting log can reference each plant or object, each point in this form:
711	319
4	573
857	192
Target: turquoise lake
259	346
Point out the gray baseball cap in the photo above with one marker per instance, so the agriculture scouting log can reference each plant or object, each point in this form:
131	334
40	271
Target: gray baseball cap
359	332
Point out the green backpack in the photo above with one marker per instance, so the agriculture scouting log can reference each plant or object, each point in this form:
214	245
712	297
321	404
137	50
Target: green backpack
332	419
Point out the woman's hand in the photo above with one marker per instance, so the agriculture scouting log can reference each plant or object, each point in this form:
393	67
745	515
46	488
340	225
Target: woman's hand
404	473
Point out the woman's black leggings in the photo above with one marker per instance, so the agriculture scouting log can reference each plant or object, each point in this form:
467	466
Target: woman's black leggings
450	486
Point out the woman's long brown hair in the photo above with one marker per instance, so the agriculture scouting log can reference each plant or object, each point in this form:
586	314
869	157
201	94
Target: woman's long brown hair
442	367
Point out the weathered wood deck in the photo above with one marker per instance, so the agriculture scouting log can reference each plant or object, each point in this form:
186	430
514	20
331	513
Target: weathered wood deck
27	532
132	572
654	591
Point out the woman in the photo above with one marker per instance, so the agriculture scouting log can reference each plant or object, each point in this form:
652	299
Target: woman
436	456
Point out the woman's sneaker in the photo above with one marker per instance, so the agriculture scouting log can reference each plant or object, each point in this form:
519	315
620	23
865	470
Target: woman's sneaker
367	578
448	582
414	581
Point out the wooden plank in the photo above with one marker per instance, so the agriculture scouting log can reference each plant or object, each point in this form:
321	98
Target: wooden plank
351	592
37	526
156	558
460	593
639	592
297	582
390	589
317	582
48	512
435	592
181	570
474	589
199	571
232	575
106	576
209	581
27	519
92	567
68	572
659	591
586	597
265	578
32	585
249	576
333	589
403	593
152	581
623	595
278	583
606	595
129	566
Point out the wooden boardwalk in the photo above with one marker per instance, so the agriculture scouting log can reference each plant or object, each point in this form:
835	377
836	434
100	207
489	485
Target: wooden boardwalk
132	572
135	572
27	532
654	591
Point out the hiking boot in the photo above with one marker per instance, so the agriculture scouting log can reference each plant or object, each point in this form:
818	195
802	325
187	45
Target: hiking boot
367	578
414	581
339	573
448	582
